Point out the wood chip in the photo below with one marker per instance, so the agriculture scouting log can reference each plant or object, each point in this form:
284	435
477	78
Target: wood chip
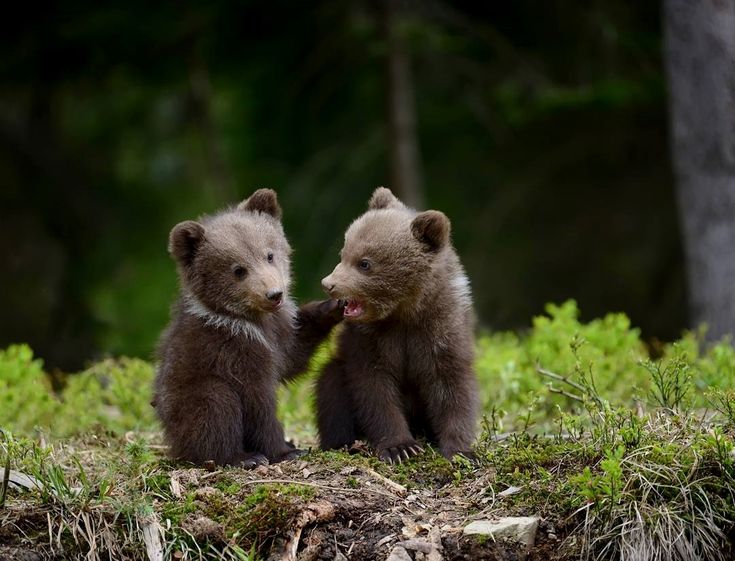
175	485
510	491
19	480
318	511
152	532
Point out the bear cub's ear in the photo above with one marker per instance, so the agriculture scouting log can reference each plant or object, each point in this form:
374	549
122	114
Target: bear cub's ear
383	198
431	228
263	200
184	241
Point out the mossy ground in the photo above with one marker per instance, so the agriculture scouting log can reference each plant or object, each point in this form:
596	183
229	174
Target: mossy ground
616	451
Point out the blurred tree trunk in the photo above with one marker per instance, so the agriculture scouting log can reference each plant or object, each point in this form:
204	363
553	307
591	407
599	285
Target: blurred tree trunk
700	58
406	177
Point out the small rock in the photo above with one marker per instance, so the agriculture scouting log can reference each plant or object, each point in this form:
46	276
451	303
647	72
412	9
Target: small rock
399	554
203	528
552	536
206	492
305	473
417	545
385	540
519	528
18	554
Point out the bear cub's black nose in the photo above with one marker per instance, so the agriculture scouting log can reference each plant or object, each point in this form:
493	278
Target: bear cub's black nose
274	295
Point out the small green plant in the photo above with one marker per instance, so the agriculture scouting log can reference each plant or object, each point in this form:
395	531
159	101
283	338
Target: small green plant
671	381
723	401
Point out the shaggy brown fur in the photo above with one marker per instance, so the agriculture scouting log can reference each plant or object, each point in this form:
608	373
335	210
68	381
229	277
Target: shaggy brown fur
404	365
234	336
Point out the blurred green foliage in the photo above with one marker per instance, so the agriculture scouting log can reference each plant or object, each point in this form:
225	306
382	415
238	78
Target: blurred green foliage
111	396
605	355
542	128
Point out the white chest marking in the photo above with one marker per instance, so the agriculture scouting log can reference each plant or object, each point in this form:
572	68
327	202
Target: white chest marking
460	285
239	327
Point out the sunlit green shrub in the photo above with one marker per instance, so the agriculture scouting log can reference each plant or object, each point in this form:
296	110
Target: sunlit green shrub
604	358
112	394
604	352
26	399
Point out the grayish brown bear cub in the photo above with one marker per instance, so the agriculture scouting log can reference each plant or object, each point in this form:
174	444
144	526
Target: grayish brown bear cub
234	336
404	364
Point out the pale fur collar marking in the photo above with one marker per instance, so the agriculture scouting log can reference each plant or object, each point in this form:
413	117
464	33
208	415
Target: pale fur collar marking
237	326
460	285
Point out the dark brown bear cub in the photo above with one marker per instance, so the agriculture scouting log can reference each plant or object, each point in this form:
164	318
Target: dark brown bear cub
404	363
234	336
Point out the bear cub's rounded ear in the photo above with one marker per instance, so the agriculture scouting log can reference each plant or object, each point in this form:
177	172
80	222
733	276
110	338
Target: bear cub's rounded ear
431	228
263	200
184	241
383	198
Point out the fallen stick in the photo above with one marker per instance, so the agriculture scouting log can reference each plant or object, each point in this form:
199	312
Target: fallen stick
313	513
397	487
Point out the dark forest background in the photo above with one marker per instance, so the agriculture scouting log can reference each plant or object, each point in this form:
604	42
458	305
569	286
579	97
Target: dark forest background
540	128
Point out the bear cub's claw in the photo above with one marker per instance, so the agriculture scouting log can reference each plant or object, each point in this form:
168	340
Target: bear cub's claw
253	460
292	454
399	453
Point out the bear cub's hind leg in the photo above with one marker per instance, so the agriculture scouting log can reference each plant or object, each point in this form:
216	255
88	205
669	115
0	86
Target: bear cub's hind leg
335	419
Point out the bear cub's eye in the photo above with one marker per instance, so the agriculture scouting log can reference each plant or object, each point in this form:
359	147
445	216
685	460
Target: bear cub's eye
239	272
364	264
270	257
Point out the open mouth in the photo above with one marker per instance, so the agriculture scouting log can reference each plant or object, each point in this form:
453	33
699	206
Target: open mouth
353	309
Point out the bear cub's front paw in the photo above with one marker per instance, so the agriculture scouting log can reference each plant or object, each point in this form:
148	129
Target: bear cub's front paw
396	453
332	311
292	454
252	460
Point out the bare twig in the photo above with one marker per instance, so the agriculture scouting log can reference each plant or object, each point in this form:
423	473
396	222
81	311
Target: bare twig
397	487
561	378
566	394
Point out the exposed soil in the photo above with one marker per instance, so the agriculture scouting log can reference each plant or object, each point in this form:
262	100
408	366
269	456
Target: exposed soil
319	508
